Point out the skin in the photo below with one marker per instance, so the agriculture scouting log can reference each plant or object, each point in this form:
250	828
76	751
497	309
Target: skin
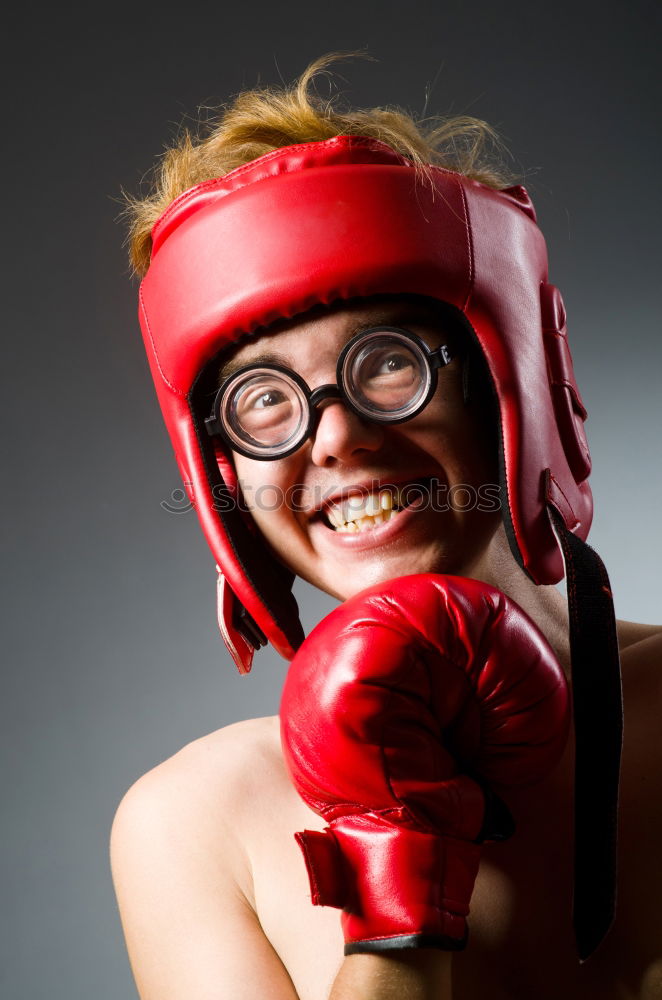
447	440
211	886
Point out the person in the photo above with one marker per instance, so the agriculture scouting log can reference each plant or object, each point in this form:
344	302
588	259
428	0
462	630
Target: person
365	374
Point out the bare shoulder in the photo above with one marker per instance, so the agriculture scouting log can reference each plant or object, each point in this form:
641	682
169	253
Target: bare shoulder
632	633
204	795
223	762
641	660
641	656
217	762
182	869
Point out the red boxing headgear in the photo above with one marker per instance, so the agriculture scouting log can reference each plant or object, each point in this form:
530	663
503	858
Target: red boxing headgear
334	220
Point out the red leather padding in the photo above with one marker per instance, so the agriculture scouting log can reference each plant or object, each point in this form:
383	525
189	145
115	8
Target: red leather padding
395	707
338	219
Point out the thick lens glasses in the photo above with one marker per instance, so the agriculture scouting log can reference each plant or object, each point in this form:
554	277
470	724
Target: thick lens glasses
384	374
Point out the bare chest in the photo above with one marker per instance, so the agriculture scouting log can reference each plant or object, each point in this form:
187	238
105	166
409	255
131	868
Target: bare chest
521	943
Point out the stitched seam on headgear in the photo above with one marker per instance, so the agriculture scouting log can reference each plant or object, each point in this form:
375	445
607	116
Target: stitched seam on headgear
190	195
570	507
470	248
508	519
151	338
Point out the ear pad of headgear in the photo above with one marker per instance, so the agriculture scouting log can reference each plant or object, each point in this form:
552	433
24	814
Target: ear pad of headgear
568	407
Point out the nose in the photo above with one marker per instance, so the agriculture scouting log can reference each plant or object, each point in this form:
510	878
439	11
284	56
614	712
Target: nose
343	436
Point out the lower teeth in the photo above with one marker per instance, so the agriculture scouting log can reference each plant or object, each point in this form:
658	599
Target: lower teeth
352	527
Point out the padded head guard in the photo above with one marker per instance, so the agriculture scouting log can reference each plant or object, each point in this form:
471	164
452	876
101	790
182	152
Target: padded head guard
347	217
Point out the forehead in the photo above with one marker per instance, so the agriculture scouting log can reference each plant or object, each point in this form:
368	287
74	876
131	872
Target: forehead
316	337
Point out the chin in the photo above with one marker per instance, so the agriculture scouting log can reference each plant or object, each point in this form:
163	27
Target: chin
357	578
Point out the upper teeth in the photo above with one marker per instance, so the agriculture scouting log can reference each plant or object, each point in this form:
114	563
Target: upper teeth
380	506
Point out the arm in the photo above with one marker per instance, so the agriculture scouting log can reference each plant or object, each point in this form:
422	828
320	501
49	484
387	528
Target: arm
190	929
423	974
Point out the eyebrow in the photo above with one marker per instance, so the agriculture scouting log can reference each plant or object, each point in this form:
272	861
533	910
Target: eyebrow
401	317
265	358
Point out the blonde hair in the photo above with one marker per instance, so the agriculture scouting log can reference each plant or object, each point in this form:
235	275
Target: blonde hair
259	121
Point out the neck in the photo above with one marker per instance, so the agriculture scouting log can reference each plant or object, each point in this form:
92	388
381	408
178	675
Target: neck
545	605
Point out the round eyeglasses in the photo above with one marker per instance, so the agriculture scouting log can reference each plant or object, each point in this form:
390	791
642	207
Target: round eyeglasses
384	374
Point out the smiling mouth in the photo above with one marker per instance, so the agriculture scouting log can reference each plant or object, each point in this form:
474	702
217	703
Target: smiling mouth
366	511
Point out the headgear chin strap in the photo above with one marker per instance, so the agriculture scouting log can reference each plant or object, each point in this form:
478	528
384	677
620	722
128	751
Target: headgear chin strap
349	217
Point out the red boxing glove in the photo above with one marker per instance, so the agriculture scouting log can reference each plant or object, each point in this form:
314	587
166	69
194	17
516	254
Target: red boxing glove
397	710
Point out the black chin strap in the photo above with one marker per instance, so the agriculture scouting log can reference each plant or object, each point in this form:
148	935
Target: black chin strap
598	721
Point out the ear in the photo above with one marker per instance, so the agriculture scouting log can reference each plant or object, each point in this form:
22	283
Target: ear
568	407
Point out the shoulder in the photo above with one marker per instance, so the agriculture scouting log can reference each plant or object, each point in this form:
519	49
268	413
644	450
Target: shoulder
641	657
182	871
198	802
640	797
632	633
209	775
641	661
224	756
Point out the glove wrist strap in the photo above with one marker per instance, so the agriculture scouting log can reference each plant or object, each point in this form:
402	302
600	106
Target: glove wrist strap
397	887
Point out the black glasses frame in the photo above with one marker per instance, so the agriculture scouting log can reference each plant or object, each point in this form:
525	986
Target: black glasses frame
434	358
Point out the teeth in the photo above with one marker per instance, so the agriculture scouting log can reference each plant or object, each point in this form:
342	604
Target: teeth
363	513
372	506
366	523
349	528
360	509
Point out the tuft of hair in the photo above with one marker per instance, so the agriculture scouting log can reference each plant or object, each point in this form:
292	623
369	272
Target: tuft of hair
261	120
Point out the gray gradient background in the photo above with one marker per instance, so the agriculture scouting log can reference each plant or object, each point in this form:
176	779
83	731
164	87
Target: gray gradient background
112	660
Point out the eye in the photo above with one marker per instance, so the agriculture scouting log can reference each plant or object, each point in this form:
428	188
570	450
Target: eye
263	408
260	395
392	363
384	366
387	377
271	397
268	414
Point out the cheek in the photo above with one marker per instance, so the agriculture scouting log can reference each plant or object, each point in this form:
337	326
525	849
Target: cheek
460	437
265	488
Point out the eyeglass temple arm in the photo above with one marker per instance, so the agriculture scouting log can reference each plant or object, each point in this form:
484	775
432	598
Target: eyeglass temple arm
440	357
